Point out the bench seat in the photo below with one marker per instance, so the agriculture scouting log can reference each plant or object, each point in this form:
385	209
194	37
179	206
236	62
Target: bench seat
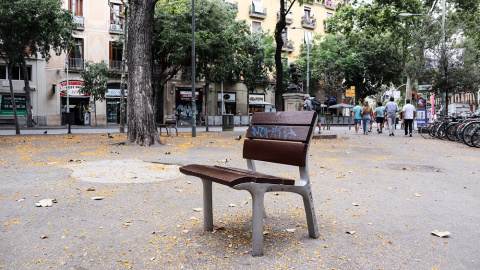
272	137
232	176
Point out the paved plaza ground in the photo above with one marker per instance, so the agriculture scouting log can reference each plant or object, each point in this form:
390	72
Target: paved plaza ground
377	200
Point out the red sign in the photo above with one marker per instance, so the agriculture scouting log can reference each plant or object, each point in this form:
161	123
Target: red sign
73	88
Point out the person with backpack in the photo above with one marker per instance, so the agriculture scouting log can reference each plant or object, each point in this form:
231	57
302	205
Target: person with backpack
313	105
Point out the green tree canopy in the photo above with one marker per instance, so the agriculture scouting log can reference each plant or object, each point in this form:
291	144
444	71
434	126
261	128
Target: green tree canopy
28	27
95	79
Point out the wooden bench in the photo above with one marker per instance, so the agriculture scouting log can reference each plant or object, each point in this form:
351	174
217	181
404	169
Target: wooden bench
170	122
277	137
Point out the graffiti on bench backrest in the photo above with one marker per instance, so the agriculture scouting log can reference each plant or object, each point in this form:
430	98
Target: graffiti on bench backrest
273	132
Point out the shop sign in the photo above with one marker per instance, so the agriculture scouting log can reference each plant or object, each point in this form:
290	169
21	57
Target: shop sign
421	117
73	89
256	98
115	93
6	105
227	97
187	95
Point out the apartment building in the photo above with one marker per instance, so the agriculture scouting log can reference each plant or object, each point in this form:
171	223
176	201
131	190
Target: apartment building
303	23
99	26
98	29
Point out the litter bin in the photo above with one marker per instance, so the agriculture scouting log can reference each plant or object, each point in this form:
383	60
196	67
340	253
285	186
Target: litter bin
70	118
227	122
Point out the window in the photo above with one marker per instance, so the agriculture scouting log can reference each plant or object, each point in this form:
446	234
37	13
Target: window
116	53
76	54
307	11
329	15
76	6
3	72
17	73
257	6
115	11
256	27
307	36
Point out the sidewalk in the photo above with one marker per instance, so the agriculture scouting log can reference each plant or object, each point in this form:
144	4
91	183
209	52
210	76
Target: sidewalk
10	130
377	199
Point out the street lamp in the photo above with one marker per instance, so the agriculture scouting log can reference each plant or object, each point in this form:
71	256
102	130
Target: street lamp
308	56
194	105
442	57
67	64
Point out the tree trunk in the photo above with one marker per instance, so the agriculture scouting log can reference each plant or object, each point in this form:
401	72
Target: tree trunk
409	87
28	102
95	104
278	57
14	104
141	115
124	66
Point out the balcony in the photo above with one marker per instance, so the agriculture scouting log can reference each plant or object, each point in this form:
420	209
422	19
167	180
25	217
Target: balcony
76	63
116	27
288	18
80	21
260	13
288	45
115	65
309	22
330	4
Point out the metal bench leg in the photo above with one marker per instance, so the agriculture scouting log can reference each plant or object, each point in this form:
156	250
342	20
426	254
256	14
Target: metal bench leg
310	212
258	209
207	206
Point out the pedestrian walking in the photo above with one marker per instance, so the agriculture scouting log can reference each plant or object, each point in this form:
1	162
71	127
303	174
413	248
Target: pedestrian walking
357	116
380	117
408	114
366	117
391	110
308	106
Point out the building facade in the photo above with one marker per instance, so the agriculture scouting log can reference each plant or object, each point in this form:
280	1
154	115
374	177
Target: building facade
303	23
56	83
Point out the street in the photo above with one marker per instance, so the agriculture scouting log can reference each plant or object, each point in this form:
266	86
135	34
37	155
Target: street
118	206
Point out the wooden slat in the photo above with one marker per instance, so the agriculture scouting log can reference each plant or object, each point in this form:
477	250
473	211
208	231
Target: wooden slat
231	176
283	133
276	151
301	118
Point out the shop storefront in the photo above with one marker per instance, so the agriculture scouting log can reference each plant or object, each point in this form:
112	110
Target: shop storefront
79	103
183	103
229	103
113	103
6	105
257	103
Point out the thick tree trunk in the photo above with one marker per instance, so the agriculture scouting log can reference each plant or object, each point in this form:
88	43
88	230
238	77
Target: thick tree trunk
28	101
141	114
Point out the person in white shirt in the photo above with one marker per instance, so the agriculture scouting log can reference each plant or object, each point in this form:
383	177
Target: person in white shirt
408	114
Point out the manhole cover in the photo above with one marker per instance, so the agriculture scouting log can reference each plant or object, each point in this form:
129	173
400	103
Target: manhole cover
123	171
416	168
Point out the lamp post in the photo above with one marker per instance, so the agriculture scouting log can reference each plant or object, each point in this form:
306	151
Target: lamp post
67	64
442	56
308	57
194	105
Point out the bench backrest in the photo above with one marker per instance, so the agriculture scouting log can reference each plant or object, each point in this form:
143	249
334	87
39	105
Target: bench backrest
280	137
171	121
